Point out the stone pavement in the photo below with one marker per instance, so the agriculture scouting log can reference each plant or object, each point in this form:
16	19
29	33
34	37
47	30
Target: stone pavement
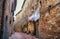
17	35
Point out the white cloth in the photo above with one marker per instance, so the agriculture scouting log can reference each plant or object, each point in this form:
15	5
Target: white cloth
35	16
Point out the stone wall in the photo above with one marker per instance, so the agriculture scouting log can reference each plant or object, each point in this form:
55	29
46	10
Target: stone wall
49	27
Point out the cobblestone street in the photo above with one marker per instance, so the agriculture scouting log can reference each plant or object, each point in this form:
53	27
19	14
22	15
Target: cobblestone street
17	35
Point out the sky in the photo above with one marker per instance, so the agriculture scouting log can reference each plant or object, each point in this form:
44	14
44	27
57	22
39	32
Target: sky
18	7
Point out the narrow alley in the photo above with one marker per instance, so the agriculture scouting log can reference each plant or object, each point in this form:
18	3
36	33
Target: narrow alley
29	19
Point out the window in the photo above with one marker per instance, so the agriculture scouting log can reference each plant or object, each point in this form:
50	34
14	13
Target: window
33	7
10	21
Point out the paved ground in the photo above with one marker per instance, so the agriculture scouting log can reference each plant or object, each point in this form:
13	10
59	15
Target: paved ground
17	35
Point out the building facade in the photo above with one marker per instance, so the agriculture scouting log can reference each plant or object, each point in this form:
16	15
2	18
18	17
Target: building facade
6	18
1	18
48	26
22	19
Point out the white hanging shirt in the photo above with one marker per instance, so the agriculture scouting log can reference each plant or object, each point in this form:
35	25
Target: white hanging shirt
35	16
